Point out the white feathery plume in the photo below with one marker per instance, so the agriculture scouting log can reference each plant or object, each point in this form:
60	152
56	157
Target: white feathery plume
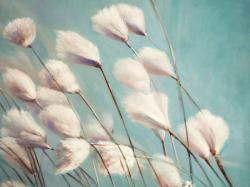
155	61
75	48
16	154
109	22
197	143
113	158
166	171
133	17
94	131
21	126
12	184
147	109
19	84
46	96
61	120
132	73
21	31
213	128
71	153
65	79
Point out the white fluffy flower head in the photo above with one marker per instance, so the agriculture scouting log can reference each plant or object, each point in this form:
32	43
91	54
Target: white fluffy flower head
132	73
21	126
21	31
65	79
61	120
109	22
71	153
167	172
155	61
133	17
77	49
150	110
19	84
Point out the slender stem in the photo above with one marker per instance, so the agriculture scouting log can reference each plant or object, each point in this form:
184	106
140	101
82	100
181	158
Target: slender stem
157	12
221	167
39	167
122	120
5	172
190	152
87	175
211	167
78	174
91	108
175	151
129	46
5	98
163	147
95	171
36	177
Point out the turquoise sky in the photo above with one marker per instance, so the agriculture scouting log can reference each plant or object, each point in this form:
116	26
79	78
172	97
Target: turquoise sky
211	43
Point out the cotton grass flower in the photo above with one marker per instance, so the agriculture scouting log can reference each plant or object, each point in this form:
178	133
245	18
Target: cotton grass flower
21	31
94	132
132	73
113	159
21	126
12	184
16	154
63	79
197	143
166	171
109	22
47	96
77	49
213	128
146	109
133	17
61	120
70	154
155	61
19	84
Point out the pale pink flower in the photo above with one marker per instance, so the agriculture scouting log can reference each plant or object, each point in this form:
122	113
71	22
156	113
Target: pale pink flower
148	110
65	79
133	17
19	84
61	120
132	73
155	61
73	47
21	31
21	126
71	153
166	171
109	22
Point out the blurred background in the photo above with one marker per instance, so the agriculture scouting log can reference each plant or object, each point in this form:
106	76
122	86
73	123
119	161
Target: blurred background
211	43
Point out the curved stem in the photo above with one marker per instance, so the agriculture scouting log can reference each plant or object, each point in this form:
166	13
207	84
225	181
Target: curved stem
175	152
221	167
122	121
163	147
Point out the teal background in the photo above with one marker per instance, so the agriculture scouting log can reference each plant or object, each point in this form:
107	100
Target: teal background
211	42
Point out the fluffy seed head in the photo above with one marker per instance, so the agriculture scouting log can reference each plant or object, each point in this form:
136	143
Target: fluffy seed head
19	84
109	22
155	61
148	110
12	184
133	17
21	31
61	120
77	49
131	73
47	96
213	128
65	79
71	153
113	158
197	143
16	154
21	126
94	131
167	172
